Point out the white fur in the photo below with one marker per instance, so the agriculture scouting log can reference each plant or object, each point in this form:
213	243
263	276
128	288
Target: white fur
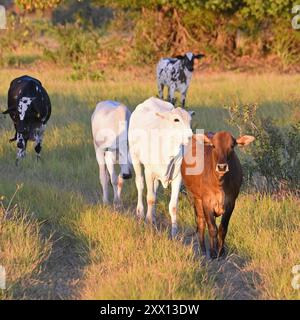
156	142
24	104
110	122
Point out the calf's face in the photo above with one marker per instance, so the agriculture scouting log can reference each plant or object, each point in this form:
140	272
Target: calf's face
188	60
223	144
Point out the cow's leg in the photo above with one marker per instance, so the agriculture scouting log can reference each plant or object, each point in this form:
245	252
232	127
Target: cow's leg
102	174
21	145
38	137
120	186
183	98
139	181
151	198
201	224
110	160
213	232
172	94
223	230
14	138
176	183
161	90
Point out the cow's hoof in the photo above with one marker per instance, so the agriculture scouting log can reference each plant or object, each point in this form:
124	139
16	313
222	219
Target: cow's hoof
221	253
140	213
213	254
151	222
174	232
118	205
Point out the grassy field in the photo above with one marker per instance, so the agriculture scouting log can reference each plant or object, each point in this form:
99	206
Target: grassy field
58	241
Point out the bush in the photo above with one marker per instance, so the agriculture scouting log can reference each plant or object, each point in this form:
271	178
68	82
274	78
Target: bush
275	154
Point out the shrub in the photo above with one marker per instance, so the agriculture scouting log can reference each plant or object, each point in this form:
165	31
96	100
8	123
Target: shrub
275	154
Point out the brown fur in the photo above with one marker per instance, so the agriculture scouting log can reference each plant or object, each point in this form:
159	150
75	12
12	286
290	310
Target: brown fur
214	193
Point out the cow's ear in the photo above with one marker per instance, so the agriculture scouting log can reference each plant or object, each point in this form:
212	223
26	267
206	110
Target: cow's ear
161	115
244	140
204	139
199	56
179	57
192	113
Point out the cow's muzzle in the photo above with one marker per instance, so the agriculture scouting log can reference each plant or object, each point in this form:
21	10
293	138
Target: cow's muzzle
127	176
222	167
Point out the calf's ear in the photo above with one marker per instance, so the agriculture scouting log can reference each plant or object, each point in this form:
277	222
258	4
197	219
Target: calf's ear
244	140
204	139
192	113
161	115
199	56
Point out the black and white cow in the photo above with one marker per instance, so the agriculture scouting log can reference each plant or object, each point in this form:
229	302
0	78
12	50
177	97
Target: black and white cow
176	74
29	107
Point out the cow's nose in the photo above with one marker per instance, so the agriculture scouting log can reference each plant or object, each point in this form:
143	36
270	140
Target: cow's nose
126	176
222	167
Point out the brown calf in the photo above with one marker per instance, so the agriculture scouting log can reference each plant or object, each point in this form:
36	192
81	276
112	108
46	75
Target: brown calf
215	189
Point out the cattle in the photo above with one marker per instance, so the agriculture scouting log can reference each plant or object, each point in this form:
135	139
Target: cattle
215	188
176	74
29	107
157	133
110	135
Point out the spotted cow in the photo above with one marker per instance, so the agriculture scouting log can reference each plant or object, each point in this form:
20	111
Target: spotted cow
176	74
29	107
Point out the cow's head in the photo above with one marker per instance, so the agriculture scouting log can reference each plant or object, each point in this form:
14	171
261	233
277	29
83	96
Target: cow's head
223	144
188	60
23	107
125	162
177	127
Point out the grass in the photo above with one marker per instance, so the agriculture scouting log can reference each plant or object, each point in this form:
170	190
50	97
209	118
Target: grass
121	258
22	249
266	233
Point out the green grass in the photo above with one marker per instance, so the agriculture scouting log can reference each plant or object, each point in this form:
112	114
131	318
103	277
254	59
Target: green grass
22	250
124	259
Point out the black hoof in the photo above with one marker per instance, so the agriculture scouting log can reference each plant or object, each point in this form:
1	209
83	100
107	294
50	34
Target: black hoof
38	148
213	254
221	253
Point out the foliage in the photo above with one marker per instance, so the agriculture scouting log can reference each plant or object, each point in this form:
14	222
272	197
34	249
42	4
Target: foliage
275	152
31	5
225	30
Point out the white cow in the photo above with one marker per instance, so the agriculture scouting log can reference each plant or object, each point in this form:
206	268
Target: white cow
156	136
110	122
